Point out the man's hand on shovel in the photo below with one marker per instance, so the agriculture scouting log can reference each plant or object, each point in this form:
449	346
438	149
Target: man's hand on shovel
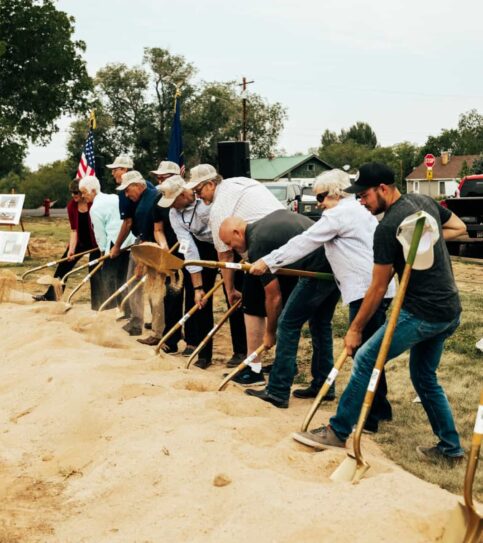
199	295
259	267
352	340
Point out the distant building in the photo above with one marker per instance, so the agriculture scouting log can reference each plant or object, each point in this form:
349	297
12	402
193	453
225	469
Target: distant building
446	176
300	168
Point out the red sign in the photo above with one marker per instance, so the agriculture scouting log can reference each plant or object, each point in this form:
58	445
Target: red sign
429	160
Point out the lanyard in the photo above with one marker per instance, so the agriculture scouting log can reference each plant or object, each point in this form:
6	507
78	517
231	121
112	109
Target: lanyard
192	216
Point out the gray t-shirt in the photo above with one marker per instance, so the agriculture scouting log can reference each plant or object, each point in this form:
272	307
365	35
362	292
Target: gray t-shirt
432	294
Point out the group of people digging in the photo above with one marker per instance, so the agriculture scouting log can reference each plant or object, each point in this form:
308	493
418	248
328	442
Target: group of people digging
356	247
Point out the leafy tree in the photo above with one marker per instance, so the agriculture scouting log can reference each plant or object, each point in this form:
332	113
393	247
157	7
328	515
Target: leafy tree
329	138
42	73
477	166
470	128
135	108
360	133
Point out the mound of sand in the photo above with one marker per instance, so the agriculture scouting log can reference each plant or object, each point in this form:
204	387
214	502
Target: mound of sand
103	442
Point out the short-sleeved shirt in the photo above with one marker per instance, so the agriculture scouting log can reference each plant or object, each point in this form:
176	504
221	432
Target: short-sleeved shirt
143	221
275	230
127	208
431	294
161	214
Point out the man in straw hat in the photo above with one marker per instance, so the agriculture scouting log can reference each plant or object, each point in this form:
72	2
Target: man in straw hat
430	313
189	219
251	201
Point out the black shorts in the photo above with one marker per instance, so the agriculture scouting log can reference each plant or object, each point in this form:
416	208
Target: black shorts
253	302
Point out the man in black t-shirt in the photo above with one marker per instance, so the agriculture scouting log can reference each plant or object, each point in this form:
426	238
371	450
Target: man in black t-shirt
256	239
430	313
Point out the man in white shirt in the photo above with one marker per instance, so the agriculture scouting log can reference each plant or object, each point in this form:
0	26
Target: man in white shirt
251	201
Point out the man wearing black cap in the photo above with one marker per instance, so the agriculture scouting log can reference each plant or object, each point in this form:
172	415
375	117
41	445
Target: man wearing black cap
430	313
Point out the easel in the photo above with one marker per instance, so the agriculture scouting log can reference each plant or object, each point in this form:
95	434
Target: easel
20	223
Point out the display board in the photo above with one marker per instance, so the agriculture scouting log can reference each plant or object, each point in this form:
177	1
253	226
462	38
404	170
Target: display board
13	246
11	208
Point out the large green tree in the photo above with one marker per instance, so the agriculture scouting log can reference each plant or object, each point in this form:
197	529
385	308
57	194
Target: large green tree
42	74
135	107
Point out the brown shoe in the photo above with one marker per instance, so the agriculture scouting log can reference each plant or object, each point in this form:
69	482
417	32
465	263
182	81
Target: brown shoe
151	341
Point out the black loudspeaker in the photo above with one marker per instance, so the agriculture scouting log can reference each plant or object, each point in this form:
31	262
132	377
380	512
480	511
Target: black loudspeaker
233	159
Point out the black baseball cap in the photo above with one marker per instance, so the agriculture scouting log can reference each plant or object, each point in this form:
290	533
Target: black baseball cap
370	175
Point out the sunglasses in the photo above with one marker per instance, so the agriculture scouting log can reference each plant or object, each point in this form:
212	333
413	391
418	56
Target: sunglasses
322	196
198	190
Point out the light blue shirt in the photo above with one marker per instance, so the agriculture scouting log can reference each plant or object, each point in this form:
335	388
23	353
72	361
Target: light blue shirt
107	222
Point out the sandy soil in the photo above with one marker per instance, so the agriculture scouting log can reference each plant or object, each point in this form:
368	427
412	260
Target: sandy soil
102	441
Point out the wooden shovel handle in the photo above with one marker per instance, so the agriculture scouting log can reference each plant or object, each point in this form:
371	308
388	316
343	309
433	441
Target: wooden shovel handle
55	262
473	456
241	366
246	268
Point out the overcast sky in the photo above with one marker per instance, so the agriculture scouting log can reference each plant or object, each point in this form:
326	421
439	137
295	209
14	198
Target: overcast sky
408	68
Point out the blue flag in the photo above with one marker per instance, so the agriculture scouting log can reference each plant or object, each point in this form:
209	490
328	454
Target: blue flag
175	151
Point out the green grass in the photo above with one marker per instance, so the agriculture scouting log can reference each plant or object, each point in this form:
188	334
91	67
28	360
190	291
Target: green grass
460	371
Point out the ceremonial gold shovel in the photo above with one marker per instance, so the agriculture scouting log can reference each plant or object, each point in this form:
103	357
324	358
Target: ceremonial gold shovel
247	362
120	290
325	388
354	466
465	524
213	331
68	303
54	263
162	261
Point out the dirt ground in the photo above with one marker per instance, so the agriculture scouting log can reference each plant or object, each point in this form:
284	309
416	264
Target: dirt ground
102	441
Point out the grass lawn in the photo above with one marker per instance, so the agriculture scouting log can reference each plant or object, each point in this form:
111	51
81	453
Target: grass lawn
460	370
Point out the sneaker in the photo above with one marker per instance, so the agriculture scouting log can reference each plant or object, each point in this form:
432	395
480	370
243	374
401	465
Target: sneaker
151	341
40	298
169	349
311	392
267	369
434	455
249	378
267	397
320	439
236	360
202	363
188	350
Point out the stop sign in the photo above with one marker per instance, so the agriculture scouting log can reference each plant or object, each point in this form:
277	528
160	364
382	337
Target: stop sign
429	160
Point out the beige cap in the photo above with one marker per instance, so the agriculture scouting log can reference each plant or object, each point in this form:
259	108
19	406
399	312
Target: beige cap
122	161
425	254
129	178
171	189
198	174
167	168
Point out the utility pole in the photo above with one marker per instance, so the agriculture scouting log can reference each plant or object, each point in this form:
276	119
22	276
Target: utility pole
243	85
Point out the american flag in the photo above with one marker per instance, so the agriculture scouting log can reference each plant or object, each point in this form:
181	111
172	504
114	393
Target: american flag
87	163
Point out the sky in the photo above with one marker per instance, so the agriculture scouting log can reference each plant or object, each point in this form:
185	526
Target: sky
408	68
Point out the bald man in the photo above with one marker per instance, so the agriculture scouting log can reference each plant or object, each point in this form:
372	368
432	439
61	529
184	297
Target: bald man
271	292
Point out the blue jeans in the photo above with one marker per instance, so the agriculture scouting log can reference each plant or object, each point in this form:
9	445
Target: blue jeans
311	300
425	341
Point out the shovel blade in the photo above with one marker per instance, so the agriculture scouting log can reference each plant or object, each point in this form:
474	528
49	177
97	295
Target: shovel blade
463	526
346	470
151	255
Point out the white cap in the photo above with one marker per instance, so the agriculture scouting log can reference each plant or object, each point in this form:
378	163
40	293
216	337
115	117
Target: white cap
122	161
129	178
171	189
198	174
425	254
167	168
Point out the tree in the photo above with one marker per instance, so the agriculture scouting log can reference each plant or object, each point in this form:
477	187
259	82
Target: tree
42	73
470	128
360	133
135	108
477	166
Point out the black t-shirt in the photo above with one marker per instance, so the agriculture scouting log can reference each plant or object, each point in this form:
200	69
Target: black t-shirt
272	232
143	223
161	214
432	294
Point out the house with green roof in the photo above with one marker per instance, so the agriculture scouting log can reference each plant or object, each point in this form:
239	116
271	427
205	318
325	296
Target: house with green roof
288	168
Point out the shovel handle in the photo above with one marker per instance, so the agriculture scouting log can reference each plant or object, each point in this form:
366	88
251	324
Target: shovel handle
84	281
213	331
386	341
120	290
54	263
473	456
324	389
248	360
246	268
186	316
